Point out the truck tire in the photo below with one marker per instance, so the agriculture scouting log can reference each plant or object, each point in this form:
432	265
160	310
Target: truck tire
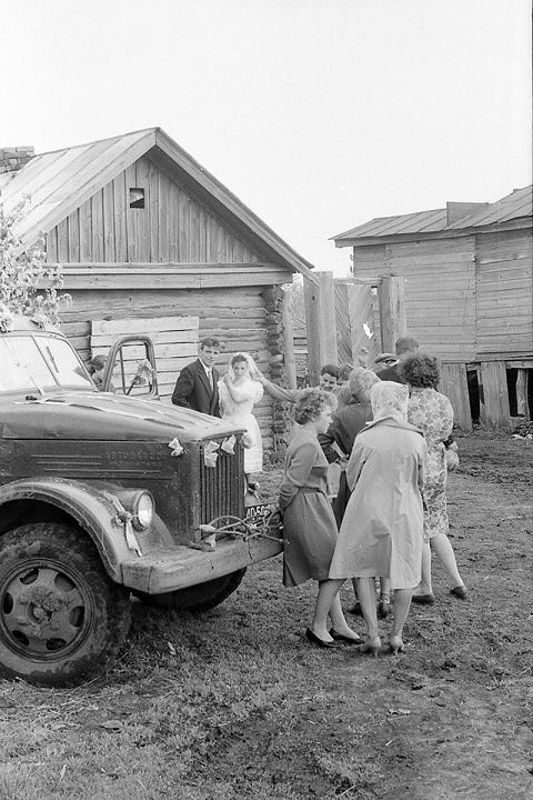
61	616
197	598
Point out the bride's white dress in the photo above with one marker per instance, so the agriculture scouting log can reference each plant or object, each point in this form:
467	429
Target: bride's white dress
248	393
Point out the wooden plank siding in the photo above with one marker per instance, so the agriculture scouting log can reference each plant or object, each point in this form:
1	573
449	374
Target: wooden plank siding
495	410
236	315
439	281
173	227
504	294
453	384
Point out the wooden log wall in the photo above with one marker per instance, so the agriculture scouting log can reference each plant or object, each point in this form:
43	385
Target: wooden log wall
247	319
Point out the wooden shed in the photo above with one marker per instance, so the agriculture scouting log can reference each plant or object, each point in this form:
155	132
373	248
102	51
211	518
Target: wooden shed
148	240
467	273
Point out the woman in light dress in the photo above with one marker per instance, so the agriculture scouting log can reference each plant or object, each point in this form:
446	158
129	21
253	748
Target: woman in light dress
432	412
239	390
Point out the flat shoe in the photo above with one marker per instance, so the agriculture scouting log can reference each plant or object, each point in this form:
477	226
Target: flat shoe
340	637
314	639
424	599
460	592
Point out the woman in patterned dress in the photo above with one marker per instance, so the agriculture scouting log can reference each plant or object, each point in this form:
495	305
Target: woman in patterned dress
432	412
310	529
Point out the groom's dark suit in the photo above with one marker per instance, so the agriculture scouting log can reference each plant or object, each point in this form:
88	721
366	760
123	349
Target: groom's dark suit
192	389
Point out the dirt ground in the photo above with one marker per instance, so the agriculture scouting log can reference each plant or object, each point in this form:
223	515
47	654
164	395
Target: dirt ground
236	704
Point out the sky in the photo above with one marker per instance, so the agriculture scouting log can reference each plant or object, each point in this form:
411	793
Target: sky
318	114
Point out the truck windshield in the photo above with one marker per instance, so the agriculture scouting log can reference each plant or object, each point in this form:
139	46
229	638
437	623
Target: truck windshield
41	363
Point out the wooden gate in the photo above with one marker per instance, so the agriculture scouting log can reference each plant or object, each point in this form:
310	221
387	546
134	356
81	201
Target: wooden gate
350	322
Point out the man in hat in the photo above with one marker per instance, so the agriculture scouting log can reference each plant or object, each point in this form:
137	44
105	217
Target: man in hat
384	360
404	347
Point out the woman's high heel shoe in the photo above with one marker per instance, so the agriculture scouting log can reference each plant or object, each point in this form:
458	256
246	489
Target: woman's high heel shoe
396	645
371	646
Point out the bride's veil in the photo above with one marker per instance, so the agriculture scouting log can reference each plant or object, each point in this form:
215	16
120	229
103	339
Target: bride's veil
252	366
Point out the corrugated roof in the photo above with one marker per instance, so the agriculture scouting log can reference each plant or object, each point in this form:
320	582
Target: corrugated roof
516	205
416	222
59	182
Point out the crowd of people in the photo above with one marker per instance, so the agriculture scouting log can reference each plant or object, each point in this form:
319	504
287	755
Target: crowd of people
388	433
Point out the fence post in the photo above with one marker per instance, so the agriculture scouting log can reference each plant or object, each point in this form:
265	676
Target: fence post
289	359
320	324
391	311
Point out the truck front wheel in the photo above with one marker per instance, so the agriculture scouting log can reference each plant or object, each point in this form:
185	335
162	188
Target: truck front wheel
61	616
199	598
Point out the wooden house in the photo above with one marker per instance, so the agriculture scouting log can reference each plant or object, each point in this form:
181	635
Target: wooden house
149	241
467	272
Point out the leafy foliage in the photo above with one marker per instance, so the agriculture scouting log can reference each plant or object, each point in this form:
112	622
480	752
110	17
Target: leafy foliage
28	285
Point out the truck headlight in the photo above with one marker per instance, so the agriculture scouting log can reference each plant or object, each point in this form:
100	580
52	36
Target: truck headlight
142	509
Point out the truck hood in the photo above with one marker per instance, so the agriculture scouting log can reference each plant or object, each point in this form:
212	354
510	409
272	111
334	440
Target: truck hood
105	416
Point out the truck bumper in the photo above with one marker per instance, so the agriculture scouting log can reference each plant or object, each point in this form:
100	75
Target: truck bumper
179	567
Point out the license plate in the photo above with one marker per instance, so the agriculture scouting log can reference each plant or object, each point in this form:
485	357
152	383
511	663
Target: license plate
259	511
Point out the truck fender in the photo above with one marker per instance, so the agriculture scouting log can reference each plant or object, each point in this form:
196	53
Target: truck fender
95	511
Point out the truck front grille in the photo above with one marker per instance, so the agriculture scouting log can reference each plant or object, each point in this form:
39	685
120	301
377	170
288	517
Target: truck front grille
222	487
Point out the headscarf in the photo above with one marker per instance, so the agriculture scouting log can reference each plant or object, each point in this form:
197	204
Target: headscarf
252	366
361	382
389	400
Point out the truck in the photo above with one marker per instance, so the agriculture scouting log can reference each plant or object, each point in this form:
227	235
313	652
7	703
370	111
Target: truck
107	492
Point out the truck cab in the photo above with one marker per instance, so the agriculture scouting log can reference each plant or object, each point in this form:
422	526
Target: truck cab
104	494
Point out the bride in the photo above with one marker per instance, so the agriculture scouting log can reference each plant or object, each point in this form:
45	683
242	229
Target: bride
239	389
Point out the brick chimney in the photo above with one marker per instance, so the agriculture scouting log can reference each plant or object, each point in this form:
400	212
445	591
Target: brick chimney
14	158
457	211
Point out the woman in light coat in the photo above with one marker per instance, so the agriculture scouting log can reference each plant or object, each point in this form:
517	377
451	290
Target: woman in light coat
382	527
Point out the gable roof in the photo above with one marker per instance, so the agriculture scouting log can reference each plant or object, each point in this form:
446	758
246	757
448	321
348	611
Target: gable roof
516	205
58	182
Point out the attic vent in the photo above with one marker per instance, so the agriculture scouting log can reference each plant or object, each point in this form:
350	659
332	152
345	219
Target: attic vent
136	198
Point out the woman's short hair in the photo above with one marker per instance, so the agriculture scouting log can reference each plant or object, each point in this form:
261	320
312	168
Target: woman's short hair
361	382
421	371
331	369
311	402
96	364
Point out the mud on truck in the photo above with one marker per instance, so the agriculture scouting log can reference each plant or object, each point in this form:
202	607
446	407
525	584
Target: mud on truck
105	494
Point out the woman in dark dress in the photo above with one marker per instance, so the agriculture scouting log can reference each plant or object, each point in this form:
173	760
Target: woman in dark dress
310	529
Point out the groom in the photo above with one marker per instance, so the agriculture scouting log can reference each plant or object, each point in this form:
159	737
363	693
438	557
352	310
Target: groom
196	386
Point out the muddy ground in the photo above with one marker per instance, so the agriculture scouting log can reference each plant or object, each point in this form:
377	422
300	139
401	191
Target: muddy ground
236	704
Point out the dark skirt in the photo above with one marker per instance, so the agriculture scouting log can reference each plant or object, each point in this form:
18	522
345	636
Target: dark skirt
341	500
310	534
